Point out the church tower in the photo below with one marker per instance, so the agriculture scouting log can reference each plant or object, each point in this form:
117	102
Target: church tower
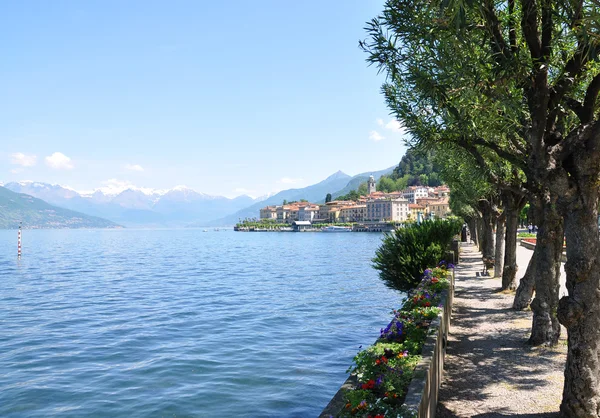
372	185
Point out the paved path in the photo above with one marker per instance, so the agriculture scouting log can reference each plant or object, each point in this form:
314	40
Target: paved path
489	370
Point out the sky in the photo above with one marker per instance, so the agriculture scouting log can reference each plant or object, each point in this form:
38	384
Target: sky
228	98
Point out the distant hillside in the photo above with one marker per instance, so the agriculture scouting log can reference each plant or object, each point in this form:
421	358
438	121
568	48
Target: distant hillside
416	168
312	193
35	213
357	180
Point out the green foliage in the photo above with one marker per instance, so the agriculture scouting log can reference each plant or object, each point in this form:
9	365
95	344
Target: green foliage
328	198
362	189
524	214
407	251
416	168
353	195
385	369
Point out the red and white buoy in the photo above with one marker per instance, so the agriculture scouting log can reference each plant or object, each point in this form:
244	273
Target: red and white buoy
19	241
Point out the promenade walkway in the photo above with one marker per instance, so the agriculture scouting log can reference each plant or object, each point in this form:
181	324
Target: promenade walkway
490	371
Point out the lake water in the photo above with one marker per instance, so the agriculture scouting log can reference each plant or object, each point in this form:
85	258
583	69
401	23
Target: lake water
185	323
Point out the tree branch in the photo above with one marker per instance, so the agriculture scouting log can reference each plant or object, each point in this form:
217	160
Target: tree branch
530	28
587	135
591	96
516	160
512	31
547	27
498	42
575	106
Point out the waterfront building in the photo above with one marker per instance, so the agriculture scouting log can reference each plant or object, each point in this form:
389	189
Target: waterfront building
376	207
353	213
268	212
384	210
301	226
282	213
308	212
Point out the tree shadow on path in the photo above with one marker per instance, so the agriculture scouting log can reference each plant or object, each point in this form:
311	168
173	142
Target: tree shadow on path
490	371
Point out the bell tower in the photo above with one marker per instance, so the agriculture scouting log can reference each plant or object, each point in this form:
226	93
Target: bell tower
372	185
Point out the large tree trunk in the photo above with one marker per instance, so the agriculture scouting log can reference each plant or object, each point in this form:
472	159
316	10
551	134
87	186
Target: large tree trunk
499	252
579	312
546	328
480	237
487	229
526	287
473	227
527	283
512	208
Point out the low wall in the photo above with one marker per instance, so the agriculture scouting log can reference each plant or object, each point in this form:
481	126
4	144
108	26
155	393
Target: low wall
422	395
423	390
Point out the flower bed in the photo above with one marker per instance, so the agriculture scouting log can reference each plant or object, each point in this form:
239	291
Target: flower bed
382	373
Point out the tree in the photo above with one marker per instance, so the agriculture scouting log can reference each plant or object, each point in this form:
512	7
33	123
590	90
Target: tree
386	184
328	198
520	79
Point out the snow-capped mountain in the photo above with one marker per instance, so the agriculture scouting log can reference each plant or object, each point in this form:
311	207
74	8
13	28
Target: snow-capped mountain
130	205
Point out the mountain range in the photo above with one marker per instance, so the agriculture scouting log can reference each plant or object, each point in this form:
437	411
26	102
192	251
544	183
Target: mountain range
35	213
137	207
336	184
180	206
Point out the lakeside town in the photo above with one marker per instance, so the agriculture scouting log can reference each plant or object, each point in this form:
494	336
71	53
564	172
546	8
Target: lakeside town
375	212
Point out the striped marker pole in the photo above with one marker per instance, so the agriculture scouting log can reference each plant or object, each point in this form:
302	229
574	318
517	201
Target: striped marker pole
19	241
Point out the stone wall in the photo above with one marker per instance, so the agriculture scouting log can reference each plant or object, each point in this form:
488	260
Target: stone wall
423	390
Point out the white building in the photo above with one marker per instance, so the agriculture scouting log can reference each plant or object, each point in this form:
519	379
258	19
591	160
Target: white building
415	192
308	213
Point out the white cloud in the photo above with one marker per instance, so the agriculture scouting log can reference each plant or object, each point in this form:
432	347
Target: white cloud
380	122
134	167
16	170
394	125
287	180
59	161
23	160
375	136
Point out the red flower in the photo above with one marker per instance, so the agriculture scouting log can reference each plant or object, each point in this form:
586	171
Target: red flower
384	359
369	385
427	304
377	361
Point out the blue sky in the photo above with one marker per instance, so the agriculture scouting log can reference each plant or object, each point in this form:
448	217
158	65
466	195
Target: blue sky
229	98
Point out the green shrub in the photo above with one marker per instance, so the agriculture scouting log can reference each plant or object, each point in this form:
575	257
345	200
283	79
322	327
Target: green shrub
407	251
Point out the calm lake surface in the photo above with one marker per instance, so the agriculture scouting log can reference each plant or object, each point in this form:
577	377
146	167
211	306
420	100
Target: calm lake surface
152	323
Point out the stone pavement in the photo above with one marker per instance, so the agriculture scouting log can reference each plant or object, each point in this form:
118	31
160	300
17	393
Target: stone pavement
490	371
